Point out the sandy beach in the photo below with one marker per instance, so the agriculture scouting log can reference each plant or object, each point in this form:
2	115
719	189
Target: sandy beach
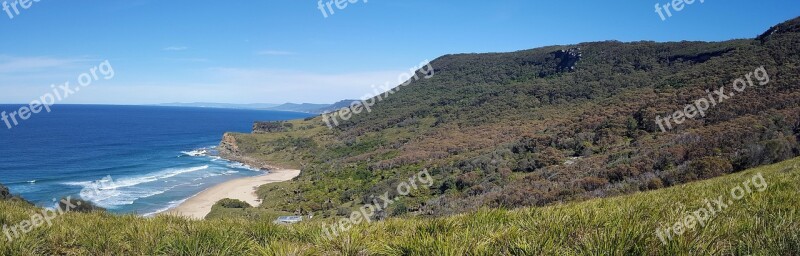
198	206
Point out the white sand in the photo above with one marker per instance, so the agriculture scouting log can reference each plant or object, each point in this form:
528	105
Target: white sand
198	206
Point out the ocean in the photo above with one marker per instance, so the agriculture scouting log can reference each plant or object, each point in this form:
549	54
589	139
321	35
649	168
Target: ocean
127	159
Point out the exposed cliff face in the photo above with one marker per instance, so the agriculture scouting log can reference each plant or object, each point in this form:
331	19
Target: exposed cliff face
568	59
229	149
228	146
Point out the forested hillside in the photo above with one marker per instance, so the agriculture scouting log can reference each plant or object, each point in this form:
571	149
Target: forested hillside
552	124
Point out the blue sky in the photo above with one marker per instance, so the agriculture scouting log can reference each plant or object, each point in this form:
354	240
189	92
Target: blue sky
275	51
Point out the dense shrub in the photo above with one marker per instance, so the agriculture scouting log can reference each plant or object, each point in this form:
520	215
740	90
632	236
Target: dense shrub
232	204
270	127
5	194
592	183
78	205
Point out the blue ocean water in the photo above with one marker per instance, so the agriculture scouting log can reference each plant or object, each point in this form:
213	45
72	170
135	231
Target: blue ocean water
128	159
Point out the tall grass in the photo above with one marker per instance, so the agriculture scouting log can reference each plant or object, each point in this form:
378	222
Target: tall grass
763	223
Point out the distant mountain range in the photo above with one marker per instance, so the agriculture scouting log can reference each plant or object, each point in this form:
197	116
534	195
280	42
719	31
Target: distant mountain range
291	107
221	105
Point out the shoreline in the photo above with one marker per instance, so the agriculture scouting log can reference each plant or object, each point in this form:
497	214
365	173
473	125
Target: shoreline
244	189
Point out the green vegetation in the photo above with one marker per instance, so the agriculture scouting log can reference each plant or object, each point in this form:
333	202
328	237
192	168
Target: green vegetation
233	204
531	154
763	223
232	209
78	205
507	130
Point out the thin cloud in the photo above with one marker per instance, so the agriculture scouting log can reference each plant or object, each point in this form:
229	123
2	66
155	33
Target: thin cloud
176	48
274	85
187	59
10	64
274	53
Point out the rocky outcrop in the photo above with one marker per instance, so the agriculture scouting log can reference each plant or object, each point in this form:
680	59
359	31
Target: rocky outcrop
5	194
229	149
228	145
568	59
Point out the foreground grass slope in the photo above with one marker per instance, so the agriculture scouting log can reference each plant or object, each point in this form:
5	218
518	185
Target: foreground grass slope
761	223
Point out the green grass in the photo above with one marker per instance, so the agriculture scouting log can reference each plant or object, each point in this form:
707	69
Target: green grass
762	223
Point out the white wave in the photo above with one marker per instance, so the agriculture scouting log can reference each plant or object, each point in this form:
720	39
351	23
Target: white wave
196	152
110	193
215	174
133	181
116	198
108	184
206	151
237	165
169	206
